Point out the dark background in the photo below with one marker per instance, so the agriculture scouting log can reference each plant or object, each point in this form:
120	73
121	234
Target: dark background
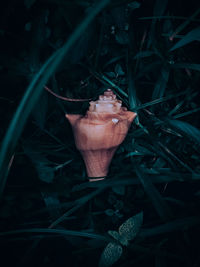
155	171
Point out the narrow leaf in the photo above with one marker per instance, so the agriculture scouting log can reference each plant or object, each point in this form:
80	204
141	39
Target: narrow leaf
186	113
177	225
132	88
158	202
187	65
160	7
193	35
143	54
187	129
184	24
161	84
46	231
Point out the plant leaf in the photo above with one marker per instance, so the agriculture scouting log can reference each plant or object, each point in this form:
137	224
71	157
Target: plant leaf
122	37
133	5
187	65
118	70
143	54
186	128
46	231
119	190
132	89
160	7
110	255
114	234
158	202
52	203
161	84
130	228
45	173
184	24
191	36
176	225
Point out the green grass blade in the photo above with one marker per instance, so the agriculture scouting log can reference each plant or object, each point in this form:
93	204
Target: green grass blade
158	202
176	225
144	54
159	9
168	17
173	157
160	100
161	83
187	65
33	93
79	203
114	85
186	113
191	36
186	129
132	91
184	24
47	231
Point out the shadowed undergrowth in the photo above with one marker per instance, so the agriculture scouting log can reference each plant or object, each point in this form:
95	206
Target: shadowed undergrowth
147	210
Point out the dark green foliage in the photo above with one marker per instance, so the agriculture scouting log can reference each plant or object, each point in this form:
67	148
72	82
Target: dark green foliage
127	231
146	212
193	35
